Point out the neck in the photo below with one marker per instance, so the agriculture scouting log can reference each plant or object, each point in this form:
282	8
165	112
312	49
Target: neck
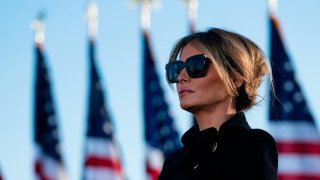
215	116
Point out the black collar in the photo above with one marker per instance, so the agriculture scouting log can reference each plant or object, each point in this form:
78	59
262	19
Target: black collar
194	137
237	121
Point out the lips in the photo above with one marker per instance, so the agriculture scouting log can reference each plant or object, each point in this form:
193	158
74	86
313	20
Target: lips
184	92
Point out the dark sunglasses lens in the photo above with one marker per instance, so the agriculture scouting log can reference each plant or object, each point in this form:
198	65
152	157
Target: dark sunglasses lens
173	71
196	67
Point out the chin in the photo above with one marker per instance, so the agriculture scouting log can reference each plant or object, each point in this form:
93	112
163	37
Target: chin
188	107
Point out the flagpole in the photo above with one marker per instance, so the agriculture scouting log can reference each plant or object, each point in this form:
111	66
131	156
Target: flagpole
192	6
38	27
92	19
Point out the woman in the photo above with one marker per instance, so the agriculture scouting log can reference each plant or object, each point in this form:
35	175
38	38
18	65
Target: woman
217	80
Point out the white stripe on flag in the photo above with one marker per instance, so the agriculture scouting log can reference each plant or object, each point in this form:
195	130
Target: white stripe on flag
103	160
299	164
101	147
155	158
294	131
97	173
51	168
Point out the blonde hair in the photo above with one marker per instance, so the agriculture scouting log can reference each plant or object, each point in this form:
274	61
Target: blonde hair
233	56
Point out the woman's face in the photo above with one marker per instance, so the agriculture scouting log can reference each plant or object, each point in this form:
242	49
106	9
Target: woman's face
199	93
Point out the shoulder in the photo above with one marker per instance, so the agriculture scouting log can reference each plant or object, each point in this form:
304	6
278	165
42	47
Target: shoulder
263	153
262	146
252	137
259	133
259	136
258	140
254	144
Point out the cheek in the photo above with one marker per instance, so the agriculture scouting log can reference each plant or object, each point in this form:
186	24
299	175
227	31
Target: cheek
213	89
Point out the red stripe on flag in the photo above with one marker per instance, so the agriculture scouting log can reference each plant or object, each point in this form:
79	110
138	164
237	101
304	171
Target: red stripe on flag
39	171
298	177
104	162
153	173
298	147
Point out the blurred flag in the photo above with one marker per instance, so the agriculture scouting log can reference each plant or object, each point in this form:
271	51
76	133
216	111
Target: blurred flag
160	133
48	164
291	121
101	153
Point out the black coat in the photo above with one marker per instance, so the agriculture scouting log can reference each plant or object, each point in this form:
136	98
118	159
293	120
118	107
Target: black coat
235	152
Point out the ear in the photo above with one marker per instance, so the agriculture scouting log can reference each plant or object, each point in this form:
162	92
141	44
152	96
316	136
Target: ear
237	81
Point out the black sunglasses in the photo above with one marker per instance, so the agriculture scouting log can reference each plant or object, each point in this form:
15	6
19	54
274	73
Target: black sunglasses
196	66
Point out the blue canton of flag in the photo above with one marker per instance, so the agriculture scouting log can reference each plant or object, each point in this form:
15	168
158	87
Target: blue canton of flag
48	164
160	133
291	121
101	154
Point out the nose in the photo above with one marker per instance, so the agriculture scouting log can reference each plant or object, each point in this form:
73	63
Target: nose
183	76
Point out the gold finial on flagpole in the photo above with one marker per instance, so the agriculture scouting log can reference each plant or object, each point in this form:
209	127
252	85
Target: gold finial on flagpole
192	13
38	26
92	18
145	11
272	4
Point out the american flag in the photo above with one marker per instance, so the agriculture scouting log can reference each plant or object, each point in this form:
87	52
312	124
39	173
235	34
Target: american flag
292	123
48	164
102	160
160	133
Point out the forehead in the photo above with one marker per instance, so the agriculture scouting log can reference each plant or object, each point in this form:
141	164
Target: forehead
189	50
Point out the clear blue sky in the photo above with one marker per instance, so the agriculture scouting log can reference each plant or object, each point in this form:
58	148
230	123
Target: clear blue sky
119	58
